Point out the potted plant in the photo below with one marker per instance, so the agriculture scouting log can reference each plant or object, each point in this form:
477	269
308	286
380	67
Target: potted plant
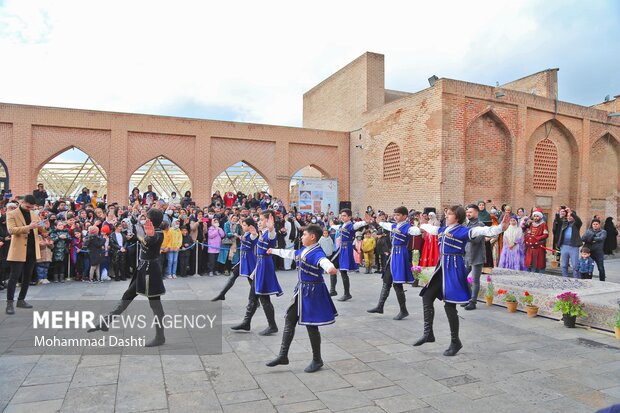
570	306
528	301
510	299
490	291
416	270
617	325
555	261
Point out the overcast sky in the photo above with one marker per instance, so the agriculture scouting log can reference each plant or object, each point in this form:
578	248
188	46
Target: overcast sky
252	61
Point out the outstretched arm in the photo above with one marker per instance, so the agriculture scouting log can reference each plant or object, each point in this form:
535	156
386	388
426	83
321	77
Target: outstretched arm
284	253
430	228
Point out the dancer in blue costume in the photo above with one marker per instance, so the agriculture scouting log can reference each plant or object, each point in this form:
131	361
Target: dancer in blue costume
398	268
263	280
449	281
345	253
247	257
312	305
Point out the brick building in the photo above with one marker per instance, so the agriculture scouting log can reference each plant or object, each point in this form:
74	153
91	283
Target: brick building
459	142
454	142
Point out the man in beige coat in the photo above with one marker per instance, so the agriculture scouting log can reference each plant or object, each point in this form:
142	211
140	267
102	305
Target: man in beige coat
24	251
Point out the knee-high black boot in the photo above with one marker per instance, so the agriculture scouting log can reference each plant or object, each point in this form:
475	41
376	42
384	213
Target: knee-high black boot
346	284
158	312
228	286
333	280
270	314
385	292
402	302
453	320
250	309
287	339
427	336
104	322
315	342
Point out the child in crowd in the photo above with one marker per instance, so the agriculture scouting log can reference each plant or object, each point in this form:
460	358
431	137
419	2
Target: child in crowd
77	257
585	264
368	247
184	253
176	239
95	245
43	264
61	239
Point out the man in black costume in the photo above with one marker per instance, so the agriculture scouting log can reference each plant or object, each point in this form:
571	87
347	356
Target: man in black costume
147	280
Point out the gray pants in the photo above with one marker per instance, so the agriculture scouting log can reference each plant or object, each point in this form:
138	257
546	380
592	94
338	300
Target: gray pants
475	271
567	252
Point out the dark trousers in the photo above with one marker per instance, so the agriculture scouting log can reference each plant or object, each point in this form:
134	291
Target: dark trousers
290	322
182	265
598	257
59	268
434	291
211	264
17	269
119	265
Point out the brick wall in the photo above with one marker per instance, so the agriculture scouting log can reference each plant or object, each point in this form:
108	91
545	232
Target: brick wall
543	84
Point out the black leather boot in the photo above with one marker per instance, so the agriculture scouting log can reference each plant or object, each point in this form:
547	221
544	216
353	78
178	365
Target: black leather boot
228	286
427	336
104	322
10	309
158	312
287	339
402	302
271	318
471	305
453	320
346	284
23	304
315	342
333	280
250	309
385	292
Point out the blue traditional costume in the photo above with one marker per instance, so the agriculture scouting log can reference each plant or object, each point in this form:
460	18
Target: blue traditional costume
398	268
244	262
346	261
311	306
449	280
262	278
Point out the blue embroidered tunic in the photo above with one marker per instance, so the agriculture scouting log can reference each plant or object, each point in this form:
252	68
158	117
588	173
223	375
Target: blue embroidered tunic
265	279
247	262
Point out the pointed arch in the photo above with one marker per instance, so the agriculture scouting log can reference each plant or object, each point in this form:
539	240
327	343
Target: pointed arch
392	162
241	176
65	176
488	154
4	176
165	175
492	113
604	182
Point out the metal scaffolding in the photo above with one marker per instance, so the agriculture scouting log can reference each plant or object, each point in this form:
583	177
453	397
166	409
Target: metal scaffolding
65	178
165	176
240	177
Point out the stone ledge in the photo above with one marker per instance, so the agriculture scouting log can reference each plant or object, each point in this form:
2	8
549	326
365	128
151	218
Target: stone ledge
601	299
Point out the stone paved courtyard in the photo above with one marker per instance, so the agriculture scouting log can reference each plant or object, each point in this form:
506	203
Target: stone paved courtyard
509	363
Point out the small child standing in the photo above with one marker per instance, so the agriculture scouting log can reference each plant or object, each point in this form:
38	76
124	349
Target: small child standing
184	253
43	264
61	239
368	247
95	245
585	265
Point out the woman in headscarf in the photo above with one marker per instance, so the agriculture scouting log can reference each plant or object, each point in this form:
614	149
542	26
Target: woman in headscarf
611	242
513	255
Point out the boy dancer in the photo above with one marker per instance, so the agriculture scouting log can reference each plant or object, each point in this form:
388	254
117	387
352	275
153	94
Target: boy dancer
263	280
247	257
345	253
312	304
449	281
397	270
147	280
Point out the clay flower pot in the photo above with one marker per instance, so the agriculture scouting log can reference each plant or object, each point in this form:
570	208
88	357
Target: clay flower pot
511	306
554	264
489	299
617	330
532	310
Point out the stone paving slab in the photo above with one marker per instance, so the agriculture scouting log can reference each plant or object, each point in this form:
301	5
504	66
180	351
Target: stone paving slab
509	363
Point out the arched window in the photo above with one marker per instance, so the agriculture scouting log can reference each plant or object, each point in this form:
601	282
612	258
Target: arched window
66	174
391	162
240	177
545	165
4	176
165	177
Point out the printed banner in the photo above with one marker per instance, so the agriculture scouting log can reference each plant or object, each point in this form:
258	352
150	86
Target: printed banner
315	195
